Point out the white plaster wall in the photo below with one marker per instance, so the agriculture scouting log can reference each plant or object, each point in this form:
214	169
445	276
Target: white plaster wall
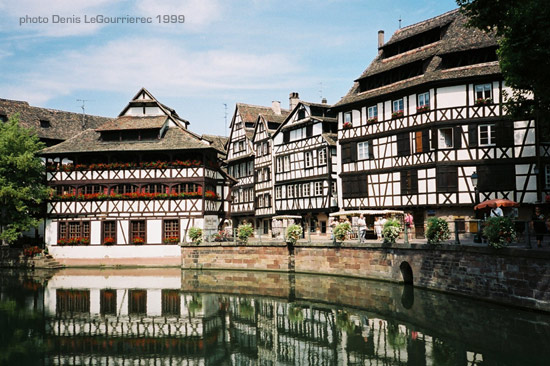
451	96
412	103
154	231
317	129
122	232
134	111
51	232
115	251
356	118
154	302
95	232
387	105
153	111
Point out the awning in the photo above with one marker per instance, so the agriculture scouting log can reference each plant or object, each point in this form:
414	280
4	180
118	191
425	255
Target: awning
286	217
366	212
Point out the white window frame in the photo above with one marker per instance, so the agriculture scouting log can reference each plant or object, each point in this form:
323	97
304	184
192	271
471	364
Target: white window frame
290	191
308	159
322	154
363	150
333	188
372	112
261	200
348	117
279	164
297	134
483	91
398	105
306	189
278	192
318	188
286	163
491	135
441	141
424	99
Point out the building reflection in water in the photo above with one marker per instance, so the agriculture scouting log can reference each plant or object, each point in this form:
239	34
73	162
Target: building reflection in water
98	319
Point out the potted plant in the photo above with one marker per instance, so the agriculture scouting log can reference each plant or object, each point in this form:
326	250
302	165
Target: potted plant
171	240
437	231
341	231
293	233
109	241
483	101
499	231
244	231
422	108
138	240
391	231
397	114
372	120
346	125
195	234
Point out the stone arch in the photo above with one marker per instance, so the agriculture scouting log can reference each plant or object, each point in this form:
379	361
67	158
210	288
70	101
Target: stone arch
406	273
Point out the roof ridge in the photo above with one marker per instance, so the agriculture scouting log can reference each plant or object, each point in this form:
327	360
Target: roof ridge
259	106
427	20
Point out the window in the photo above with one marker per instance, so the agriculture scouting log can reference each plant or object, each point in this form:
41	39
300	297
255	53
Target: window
155	188
309	159
137	231
261	200
447	179
496	177
372	112
306	189
44	123
397	105
74	230
109	232
347	117
286	160
280	164
171	231
297	134
186	188
318	188
547	175
61	190
333	188
171	303
125	188
301	113
363	150
107	302
354	186
421	141
290	191
483	91
487	136
423	100
241	146
409	182
322	154
3	117
403	144
137	302
278	192
92	189
299	192
72	301
445	138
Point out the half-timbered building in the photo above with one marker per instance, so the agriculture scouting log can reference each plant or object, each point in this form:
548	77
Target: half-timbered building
241	155
262	141
425	116
304	158
139	181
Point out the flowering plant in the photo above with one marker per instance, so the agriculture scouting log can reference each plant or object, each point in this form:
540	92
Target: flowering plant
138	240
109	240
293	233
372	120
483	101
211	195
245	231
341	231
499	231
32	251
195	234
172	239
437	231
422	108
220	236
159	164
397	114
346	125
391	231
74	241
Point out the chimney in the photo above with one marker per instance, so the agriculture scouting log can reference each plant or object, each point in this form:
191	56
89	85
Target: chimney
276	107
324	101
380	38
293	99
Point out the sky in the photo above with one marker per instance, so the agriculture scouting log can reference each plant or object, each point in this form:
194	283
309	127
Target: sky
53	55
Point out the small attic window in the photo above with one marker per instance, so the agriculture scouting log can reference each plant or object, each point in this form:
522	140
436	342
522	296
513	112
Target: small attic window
301	113
44	123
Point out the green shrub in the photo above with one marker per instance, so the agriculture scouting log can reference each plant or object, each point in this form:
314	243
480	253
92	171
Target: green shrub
437	231
391	231
245	231
499	231
195	234
295	314
341	231
293	233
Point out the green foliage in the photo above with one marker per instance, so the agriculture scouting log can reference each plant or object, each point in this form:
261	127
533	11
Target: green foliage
344	322
293	233
195	234
341	231
391	231
195	304
22	188
295	314
246	310
524	45
437	231
396	339
499	231
245	231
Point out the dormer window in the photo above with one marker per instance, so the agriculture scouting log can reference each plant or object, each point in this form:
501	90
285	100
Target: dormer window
483	93
44	123
301	114
347	117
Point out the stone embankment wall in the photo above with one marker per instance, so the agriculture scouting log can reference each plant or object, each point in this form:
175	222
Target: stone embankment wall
513	276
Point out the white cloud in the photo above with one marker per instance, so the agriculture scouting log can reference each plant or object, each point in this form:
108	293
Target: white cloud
157	64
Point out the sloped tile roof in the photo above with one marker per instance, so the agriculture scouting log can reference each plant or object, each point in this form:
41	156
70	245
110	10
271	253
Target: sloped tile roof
249	112
457	37
62	125
134	123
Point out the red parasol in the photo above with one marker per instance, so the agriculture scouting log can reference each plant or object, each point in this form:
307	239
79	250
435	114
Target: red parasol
498	202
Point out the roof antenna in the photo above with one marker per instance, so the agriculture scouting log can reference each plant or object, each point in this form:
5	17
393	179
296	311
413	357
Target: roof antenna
225	118
400	22
321	90
83	106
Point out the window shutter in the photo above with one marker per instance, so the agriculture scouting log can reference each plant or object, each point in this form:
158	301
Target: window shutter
404	187
472	136
309	130
371	150
414	181
425	140
504	134
346	153
457	138
435	142
353	155
286	136
403	144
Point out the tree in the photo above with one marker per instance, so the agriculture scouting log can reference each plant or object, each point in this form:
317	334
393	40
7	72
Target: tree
22	181
524	46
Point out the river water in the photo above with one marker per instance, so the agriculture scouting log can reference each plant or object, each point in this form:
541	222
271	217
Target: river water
173	317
